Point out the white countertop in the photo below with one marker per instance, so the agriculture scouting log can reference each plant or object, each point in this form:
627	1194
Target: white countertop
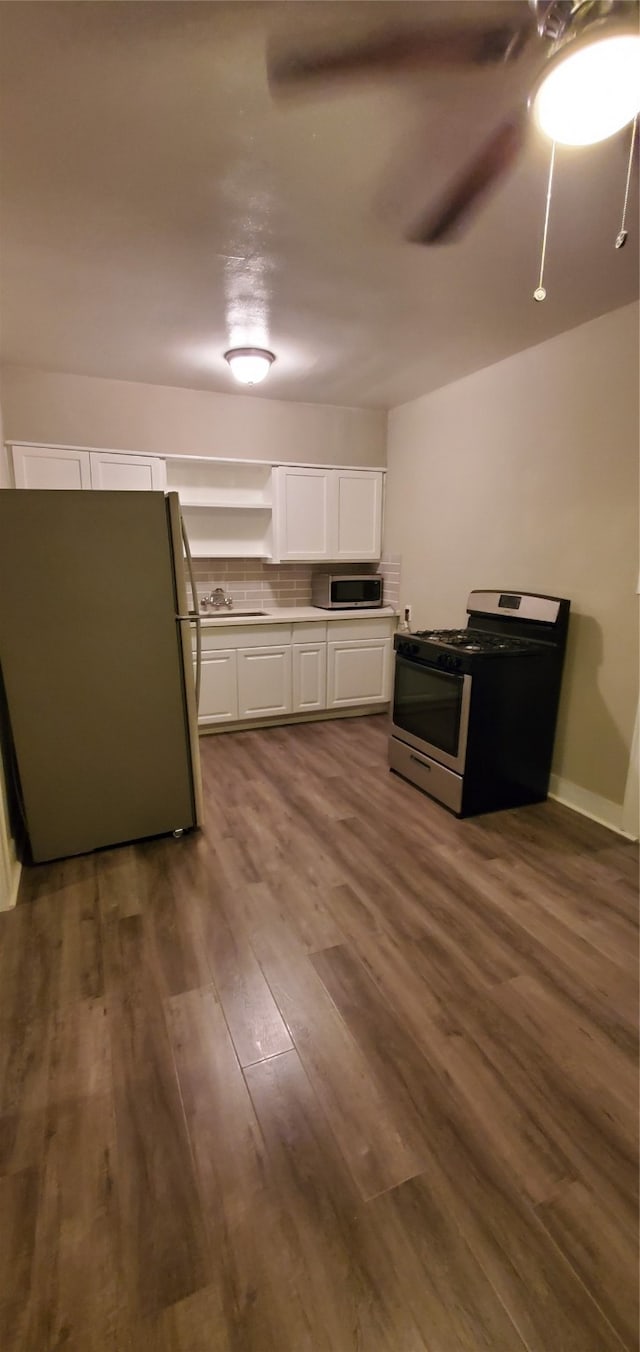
291	614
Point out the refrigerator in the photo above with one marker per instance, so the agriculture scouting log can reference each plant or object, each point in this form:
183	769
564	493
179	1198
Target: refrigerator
98	700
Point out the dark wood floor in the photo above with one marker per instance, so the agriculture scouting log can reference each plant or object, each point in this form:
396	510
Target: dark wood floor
338	1073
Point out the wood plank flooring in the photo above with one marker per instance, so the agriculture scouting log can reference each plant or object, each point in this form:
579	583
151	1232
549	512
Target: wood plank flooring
338	1073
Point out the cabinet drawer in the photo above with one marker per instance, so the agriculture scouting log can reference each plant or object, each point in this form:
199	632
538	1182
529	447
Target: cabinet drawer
382	626
220	635
427	774
313	631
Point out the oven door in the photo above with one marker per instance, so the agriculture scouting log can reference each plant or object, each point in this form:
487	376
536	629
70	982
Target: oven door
431	711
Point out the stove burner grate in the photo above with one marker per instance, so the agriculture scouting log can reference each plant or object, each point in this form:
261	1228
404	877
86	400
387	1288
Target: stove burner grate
473	640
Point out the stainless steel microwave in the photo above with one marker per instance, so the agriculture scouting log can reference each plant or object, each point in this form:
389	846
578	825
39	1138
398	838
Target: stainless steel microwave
346	591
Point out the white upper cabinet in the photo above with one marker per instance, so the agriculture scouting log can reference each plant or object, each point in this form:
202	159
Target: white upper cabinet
357	514
57	467
332	514
234	509
132	472
50	467
301	513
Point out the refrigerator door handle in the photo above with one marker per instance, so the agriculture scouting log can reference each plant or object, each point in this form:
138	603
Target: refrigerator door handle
183	567
194	619
193	615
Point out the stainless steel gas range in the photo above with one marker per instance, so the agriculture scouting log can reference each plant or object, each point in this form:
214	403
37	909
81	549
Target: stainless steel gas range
474	710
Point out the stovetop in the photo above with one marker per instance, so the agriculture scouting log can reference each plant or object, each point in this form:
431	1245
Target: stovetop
473	640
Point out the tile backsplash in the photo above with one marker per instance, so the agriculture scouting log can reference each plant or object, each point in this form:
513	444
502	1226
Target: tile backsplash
253	583
389	567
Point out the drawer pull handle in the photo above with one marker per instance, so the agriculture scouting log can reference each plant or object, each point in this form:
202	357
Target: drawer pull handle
424	765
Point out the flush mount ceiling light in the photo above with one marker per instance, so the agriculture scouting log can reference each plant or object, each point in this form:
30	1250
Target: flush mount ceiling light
249	365
591	91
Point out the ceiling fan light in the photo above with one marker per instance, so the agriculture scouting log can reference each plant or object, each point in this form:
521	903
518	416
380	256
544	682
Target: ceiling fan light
591	92
249	365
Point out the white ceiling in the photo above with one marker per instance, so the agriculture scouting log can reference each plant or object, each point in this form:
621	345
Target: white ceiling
157	207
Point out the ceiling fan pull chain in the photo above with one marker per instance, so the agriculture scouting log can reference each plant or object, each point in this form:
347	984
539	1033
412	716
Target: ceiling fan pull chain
540	293
621	237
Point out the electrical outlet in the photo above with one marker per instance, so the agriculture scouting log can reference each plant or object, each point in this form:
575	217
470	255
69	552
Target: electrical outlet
407	614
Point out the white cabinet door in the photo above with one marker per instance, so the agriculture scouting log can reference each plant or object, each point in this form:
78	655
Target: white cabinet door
358	671
333	514
50	467
301	514
218	687
309	677
356	514
133	472
57	467
264	681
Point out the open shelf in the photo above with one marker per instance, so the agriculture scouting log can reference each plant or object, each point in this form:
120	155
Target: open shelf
209	483
220	553
216	532
227	507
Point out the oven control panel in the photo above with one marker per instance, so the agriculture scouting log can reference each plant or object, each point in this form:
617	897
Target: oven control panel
449	660
407	648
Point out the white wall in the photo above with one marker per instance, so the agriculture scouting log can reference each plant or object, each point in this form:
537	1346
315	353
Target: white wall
9	869
525	476
75	410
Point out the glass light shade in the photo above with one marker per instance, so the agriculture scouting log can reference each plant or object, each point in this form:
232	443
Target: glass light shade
249	365
592	92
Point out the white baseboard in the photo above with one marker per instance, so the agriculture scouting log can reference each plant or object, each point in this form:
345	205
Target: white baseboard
280	720
592	805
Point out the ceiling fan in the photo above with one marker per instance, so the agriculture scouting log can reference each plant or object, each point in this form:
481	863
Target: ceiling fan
580	66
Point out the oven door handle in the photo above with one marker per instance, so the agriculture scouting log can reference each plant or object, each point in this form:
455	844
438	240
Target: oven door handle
403	660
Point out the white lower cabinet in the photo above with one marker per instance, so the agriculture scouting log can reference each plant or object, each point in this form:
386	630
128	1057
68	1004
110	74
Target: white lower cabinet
219	687
358	671
264	681
309	677
306	668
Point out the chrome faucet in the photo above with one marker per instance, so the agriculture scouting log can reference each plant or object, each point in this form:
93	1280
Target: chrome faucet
217	599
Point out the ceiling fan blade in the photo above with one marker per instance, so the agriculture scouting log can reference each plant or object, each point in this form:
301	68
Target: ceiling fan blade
454	210
388	52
